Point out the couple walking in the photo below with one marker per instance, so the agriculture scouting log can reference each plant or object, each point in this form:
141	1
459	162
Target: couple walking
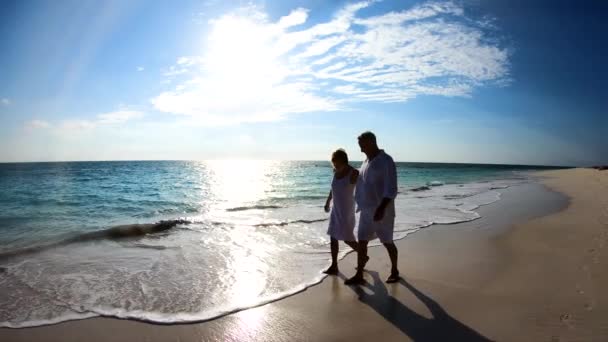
373	188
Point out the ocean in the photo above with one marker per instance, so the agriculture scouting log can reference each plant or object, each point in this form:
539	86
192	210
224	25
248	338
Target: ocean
77	239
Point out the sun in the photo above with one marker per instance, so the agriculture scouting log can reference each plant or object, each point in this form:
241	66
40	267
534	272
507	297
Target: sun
248	71
241	50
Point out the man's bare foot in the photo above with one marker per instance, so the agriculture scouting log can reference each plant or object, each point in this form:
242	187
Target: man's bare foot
357	279
332	270
366	260
393	278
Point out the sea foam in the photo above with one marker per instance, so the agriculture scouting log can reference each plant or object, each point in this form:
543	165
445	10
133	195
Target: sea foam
214	263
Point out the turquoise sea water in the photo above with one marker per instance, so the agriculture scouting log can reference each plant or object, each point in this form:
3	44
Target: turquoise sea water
248	232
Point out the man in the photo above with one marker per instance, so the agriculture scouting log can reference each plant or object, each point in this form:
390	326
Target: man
375	194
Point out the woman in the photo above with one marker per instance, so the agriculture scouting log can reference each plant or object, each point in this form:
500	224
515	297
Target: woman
342	217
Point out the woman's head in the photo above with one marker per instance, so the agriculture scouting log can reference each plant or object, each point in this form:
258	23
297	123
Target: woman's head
339	159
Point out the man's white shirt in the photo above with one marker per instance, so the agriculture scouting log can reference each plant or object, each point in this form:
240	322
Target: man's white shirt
377	180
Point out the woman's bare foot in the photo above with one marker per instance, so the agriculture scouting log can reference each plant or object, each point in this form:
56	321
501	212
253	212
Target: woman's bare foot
332	270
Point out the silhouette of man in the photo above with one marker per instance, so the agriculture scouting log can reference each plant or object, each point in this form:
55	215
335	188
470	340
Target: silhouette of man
375	194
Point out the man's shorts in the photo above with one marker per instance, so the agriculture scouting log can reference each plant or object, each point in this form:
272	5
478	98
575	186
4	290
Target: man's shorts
370	229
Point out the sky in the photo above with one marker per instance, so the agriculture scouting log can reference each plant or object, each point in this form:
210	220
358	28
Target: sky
500	81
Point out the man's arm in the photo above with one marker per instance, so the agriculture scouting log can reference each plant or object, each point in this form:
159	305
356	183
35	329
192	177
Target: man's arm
390	189
379	215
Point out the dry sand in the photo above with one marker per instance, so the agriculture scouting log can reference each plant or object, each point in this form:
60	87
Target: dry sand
516	274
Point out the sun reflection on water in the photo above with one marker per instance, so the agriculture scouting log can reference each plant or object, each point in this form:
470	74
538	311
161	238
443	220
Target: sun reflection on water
240	182
249	269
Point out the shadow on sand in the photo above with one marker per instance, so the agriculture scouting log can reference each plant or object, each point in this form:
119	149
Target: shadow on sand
442	327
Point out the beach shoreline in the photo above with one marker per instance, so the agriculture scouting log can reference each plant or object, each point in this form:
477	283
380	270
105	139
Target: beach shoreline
463	279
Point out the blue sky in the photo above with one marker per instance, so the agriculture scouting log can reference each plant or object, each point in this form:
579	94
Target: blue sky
515	81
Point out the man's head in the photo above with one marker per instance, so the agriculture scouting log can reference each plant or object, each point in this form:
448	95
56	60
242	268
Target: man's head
339	159
367	142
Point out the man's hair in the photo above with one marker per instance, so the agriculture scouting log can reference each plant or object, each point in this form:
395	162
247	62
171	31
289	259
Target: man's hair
339	154
367	135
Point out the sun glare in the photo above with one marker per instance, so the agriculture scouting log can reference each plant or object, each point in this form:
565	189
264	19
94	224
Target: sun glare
240	52
239	182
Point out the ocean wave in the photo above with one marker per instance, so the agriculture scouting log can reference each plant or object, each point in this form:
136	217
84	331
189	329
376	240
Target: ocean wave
254	207
142	245
298	198
460	196
117	232
285	223
436	210
499	187
435	183
134	230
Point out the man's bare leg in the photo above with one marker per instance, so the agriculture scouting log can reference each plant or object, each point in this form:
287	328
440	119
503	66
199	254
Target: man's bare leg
393	255
354	245
361	261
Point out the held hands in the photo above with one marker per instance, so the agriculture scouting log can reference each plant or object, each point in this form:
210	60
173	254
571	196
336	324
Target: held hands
379	214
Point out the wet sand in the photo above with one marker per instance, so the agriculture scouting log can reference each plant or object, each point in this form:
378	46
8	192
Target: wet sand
531	269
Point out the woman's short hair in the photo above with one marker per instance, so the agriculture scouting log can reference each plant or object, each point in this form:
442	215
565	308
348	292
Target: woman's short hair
340	155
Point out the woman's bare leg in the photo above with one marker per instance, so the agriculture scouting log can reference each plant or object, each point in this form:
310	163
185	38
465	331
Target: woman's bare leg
335	248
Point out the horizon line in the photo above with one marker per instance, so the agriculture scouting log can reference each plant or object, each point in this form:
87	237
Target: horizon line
280	160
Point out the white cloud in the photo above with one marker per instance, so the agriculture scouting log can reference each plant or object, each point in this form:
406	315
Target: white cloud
118	116
110	118
183	65
77	125
5	101
211	105
420	12
140	68
296	17
34	124
255	70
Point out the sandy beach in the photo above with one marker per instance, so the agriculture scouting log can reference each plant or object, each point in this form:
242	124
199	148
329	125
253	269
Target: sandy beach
531	269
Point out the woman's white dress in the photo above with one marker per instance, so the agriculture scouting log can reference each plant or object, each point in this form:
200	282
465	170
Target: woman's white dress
342	216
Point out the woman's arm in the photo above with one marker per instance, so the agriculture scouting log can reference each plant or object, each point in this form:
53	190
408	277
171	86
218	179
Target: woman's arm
327	202
354	176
